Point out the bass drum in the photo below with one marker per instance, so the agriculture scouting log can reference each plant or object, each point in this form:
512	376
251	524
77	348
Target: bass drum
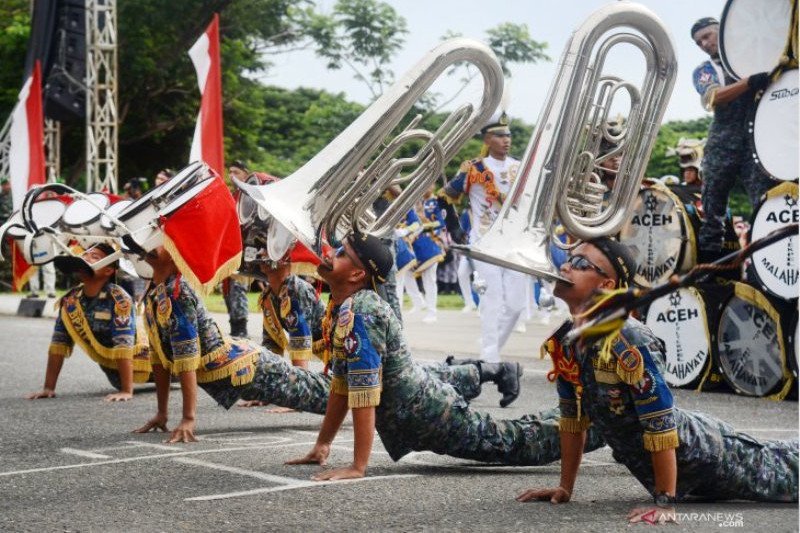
750	343
753	35
660	235
681	320
774	128
774	269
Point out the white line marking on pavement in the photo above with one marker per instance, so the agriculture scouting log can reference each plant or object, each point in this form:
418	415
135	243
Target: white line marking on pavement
300	485
241	471
84	453
164	447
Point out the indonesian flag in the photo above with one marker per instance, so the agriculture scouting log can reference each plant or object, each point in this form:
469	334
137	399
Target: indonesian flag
203	237
207	144
26	158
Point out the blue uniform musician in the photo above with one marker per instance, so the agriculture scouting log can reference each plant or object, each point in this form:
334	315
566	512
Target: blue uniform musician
428	253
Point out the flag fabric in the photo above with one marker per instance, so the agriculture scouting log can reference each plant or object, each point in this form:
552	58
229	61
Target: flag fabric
26	159
203	237
207	144
26	154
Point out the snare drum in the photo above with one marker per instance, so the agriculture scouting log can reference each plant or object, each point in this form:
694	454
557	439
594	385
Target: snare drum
774	128
44	214
775	268
82	217
753	35
114	210
681	319
750	343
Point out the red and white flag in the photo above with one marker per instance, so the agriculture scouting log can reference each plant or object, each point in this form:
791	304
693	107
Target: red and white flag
26	155
207	144
26	159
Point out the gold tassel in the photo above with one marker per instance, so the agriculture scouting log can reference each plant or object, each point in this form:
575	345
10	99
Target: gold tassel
705	376
631	377
211	356
225	270
63	350
339	385
229	370
142	365
141	377
574	425
305	354
656	442
186	364
364	398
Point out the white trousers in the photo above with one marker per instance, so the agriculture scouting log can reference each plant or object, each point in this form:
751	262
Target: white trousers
409	282
48	272
464	282
431	288
500	306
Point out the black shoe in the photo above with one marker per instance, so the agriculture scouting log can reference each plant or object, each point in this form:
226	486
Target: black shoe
51	295
505	376
239	328
451	360
33	295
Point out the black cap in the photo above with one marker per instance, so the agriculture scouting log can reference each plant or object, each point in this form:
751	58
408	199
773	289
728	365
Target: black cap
620	257
702	23
376	256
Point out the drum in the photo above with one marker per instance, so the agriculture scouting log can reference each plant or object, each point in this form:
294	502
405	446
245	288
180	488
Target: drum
753	35
750	343
44	213
661	236
140	230
775	268
82	217
681	319
113	210
774	130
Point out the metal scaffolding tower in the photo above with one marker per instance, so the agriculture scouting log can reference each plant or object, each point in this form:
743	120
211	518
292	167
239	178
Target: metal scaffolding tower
52	149
101	95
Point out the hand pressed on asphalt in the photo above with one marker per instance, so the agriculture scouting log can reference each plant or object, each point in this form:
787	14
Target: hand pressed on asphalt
44	393
318	455
157	423
554	495
183	433
118	397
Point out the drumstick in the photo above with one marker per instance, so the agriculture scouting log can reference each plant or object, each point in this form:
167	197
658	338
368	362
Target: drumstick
619	305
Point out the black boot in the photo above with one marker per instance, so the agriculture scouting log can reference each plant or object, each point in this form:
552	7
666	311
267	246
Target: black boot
239	327
451	360
506	376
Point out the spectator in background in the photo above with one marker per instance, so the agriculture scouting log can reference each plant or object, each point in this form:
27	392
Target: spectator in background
164	175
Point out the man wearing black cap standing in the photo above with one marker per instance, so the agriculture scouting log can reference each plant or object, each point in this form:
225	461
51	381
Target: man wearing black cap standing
727	151
373	375
616	386
98	316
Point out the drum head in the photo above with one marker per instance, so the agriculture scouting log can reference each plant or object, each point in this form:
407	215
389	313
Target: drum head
679	319
47	213
776	266
750	344
84	211
774	128
753	35
114	210
657	233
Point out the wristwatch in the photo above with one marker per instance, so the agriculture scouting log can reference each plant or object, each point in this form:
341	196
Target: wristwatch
663	499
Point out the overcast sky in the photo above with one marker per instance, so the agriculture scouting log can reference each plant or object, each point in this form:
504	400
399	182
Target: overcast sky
551	21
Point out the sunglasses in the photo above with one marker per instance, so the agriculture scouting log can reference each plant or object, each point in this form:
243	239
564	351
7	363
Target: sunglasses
342	251
580	262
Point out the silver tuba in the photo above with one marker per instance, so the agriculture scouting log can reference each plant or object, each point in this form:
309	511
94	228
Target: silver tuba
558	176
333	192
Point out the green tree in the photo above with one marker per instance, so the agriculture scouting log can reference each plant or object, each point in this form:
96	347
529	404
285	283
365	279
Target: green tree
15	23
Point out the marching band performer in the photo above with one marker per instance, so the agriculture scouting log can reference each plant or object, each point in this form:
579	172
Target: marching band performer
98	315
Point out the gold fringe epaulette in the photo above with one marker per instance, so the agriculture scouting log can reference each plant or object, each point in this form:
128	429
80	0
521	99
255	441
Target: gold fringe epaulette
224	271
364	398
141	377
230	370
186	364
339	385
306	354
574	425
64	350
656	442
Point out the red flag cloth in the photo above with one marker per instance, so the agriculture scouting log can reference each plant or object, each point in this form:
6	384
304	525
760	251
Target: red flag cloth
203	237
305	263
20	269
208	144
26	131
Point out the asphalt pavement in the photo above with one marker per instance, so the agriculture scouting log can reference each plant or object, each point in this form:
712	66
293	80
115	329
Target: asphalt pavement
71	463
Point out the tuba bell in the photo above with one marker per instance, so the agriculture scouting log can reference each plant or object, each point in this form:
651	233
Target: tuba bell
332	193
558	177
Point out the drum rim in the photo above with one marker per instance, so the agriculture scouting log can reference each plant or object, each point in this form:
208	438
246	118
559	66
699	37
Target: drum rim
90	221
751	128
721	370
762	286
684	223
710	353
44	201
104	216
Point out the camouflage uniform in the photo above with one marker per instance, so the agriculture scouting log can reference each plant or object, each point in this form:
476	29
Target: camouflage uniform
727	154
297	310
626	398
234	292
415	409
105	328
6	210
388	289
184	337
